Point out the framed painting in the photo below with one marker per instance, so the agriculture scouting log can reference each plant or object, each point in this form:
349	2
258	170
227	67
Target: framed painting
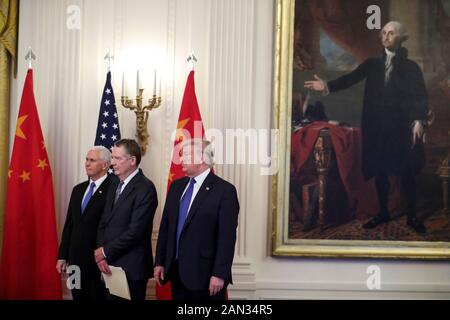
361	96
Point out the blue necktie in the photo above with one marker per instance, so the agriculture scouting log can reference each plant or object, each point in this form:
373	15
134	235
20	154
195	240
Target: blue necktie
88	197
184	207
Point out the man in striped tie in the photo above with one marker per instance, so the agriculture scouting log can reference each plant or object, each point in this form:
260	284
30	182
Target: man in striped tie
86	206
125	229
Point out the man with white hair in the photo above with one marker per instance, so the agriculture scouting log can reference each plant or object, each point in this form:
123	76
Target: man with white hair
78	240
393	120
197	235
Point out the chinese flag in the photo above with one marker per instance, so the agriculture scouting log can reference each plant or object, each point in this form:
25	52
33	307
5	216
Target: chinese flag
190	126
30	243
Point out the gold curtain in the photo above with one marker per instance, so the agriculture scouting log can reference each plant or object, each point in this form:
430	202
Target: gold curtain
8	50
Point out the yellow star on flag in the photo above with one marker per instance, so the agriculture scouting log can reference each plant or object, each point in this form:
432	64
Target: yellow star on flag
181	124
25	176
19	131
42	163
171	176
9	173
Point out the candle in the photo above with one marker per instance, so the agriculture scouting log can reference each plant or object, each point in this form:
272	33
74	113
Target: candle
137	83
160	80
154	83
123	83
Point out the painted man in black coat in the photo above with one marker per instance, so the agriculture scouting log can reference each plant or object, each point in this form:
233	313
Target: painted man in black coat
393	119
197	235
78	240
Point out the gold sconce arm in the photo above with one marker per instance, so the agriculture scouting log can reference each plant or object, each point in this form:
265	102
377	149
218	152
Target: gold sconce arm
142	114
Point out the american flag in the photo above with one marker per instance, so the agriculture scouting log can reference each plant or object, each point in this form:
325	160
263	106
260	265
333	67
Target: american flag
108	131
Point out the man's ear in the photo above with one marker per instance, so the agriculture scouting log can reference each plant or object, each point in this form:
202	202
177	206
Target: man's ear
106	165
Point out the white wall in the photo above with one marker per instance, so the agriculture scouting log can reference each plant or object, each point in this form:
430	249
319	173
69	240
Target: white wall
233	41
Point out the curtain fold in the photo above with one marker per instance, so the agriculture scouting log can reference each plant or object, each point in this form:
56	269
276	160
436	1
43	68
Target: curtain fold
8	50
343	21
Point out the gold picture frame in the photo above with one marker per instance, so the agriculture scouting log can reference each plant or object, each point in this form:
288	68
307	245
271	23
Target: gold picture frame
281	243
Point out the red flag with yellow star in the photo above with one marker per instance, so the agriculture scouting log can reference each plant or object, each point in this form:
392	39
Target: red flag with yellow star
30	243
190	126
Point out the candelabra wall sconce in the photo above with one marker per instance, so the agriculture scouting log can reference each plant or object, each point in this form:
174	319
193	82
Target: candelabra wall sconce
141	110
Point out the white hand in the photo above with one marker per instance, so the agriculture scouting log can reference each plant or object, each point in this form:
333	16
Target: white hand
158	274
61	266
418	131
215	285
316	85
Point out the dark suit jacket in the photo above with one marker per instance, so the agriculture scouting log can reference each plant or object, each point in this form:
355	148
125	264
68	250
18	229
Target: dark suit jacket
208	237
126	227
78	240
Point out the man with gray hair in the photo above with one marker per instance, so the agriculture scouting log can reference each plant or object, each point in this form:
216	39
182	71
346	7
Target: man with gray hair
393	119
125	229
78	240
197	235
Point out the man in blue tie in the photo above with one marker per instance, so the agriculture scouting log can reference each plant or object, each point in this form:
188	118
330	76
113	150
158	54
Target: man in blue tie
197	235
86	205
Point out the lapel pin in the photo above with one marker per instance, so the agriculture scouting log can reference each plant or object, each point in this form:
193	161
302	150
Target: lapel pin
207	188
100	191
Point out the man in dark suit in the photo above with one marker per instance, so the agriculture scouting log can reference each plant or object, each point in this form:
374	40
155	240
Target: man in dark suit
393	119
197	235
124	234
78	240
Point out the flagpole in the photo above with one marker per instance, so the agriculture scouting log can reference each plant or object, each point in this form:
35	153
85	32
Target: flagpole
192	59
30	56
108	57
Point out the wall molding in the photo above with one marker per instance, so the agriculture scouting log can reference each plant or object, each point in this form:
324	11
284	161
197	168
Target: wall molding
297	290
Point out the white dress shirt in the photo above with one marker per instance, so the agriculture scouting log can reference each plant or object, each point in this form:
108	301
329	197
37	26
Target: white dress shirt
97	182
198	183
128	179
388	65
